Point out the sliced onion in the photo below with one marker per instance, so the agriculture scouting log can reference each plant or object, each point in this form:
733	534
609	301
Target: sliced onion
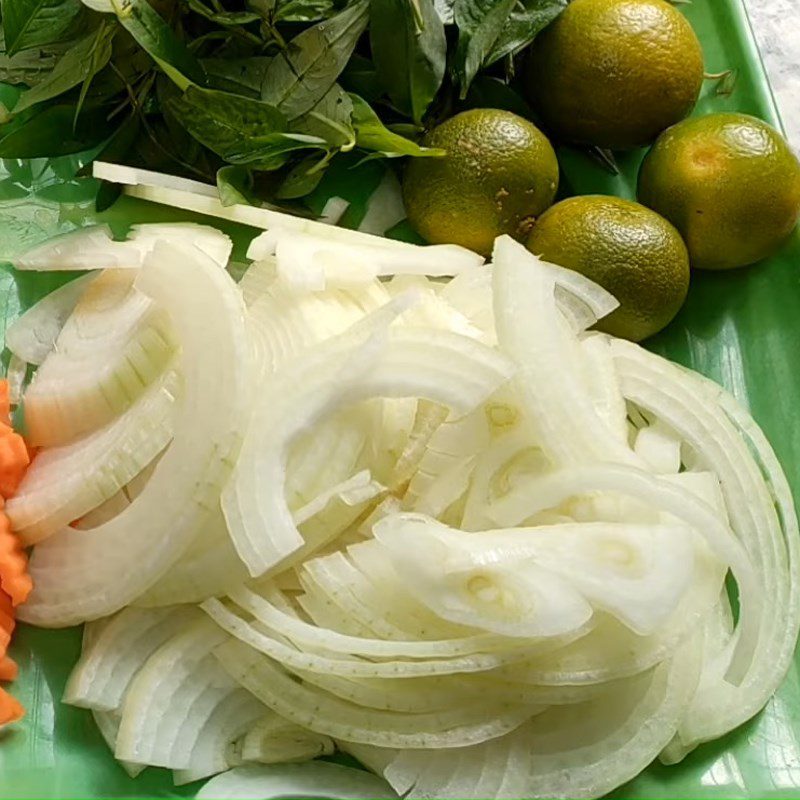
32	336
274	740
95	247
65	483
111	659
316	779
172	697
449	369
112	347
84	575
307	706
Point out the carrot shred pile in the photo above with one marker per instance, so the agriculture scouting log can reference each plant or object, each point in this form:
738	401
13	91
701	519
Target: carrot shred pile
15	583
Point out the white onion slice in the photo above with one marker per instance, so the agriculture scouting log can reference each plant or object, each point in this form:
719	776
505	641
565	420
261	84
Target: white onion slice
84	575
65	483
316	779
95	247
112	347
32	336
445	368
111	659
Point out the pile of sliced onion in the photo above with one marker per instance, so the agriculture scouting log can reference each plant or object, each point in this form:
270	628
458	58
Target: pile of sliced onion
346	504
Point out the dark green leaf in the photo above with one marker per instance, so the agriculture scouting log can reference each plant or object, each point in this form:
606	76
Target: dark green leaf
372	134
409	49
225	123
330	119
241	75
239	129
153	34
235	185
489	92
304	10
527	20
480	23
271	152
31	66
227	18
33	23
302	178
77	65
361	78
299	77
50	133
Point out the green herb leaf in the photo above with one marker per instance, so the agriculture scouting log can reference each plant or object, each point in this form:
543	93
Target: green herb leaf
240	75
30	66
330	119
480	23
361	78
235	186
153	34
227	18
51	133
304	10
238	129
303	178
76	66
33	23
300	76
225	123
372	134
523	25
410	50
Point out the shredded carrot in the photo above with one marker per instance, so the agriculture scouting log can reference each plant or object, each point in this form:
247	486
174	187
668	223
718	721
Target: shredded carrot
8	669
5	404
10	709
15	583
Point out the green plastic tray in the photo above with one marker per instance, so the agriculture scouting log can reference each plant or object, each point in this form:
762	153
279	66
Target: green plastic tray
740	328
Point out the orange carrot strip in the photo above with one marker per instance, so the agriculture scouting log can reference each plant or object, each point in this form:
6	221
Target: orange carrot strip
8	669
5	403
14	578
10	709
14	461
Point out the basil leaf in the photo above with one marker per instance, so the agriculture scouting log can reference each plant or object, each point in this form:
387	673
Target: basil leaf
272	151
76	66
304	10
361	78
372	134
228	18
33	23
480	23
410	50
225	123
524	25
30	66
240	75
143	22
235	186
330	119
300	76
302	178
55	132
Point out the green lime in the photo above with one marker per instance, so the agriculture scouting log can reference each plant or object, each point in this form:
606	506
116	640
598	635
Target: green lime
628	249
729	183
500	172
615	73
